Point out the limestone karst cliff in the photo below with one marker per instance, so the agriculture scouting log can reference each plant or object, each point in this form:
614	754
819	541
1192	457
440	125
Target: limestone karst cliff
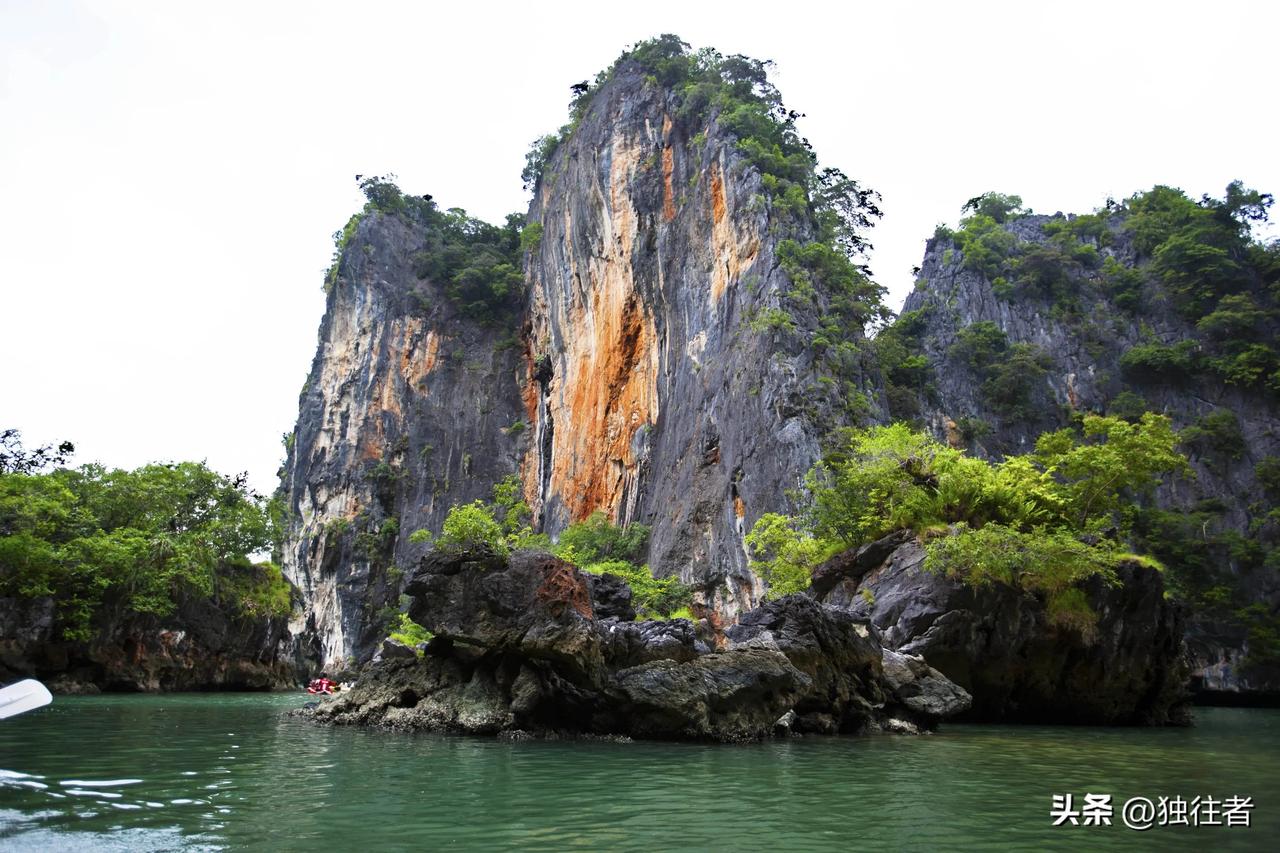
408	409
652	390
655	364
673	330
1044	318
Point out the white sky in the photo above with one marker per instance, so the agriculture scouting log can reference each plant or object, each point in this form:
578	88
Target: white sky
171	173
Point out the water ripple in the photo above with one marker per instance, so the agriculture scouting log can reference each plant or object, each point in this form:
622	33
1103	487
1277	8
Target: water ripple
296	786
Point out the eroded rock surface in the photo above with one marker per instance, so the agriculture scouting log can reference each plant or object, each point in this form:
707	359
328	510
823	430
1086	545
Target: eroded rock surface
997	643
518	648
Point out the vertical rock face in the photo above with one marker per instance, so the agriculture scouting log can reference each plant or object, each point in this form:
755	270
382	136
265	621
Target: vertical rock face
650	395
635	383
408	409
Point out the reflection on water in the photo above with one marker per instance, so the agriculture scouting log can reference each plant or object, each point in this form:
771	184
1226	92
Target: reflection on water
212	771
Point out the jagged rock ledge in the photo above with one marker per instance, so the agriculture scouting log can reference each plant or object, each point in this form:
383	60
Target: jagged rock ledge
527	644
997	642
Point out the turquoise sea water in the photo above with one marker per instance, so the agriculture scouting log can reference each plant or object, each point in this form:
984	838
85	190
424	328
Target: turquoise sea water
229	771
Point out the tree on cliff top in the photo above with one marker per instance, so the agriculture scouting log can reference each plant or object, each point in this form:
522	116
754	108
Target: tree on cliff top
477	264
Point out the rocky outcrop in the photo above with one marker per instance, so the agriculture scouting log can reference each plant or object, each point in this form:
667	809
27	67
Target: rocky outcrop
839	655
198	647
518	647
532	606
998	644
633	382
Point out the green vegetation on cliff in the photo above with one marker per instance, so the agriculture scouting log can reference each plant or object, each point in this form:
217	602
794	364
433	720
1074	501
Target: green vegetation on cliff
1042	521
477	264
1197	258
594	545
1200	258
1163	302
136	541
408	632
824	214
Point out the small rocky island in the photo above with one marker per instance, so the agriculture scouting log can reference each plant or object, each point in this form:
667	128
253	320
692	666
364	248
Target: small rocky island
528	645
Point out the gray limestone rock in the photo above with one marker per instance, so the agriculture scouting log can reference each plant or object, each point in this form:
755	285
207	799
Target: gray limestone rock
998	645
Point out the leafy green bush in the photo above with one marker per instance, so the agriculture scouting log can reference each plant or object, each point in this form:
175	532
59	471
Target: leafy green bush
783	556
1127	405
502	524
1011	384
979	345
986	246
598	546
597	540
469	526
972	429
409	633
1216	436
1215	275
997	207
904	367
531	236
255	589
1250	364
1235	316
1011	374
654	598
1049	562
1267	473
1052	272
1043	520
1124	283
1195	248
1090	227
1213	570
1159	361
477	264
1195	272
539	154
773	318
855	299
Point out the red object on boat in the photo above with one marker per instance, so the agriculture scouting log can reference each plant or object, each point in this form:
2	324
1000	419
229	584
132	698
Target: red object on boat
324	686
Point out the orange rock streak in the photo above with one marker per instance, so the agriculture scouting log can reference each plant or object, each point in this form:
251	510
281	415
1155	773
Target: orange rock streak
605	384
